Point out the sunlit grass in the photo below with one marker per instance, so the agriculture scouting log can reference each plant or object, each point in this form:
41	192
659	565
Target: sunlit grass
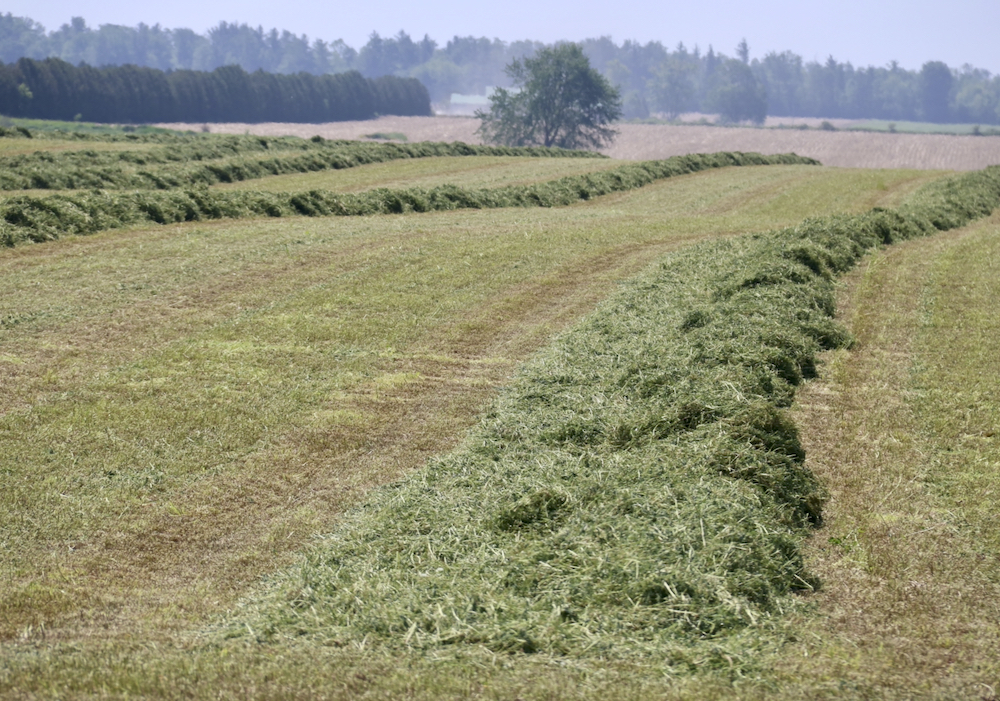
174	354
212	395
903	429
469	171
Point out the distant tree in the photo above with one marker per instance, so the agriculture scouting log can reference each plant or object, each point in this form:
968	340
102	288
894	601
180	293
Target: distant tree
738	96
784	80
743	52
633	102
711	61
561	101
480	62
21	37
189	47
936	82
647	76
672	86
977	96
440	75
55	89
393	56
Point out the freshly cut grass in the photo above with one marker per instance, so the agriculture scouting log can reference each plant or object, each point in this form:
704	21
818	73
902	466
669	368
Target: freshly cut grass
25	147
467	172
120	569
185	161
639	490
55	128
113	347
903	429
28	219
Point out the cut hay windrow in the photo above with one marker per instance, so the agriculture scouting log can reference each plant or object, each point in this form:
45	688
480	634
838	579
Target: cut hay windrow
35	219
195	160
639	490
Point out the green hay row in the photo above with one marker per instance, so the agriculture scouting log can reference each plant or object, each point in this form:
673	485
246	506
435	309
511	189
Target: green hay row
14	133
638	491
36	219
199	160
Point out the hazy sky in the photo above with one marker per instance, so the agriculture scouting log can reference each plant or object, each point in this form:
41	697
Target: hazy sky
865	32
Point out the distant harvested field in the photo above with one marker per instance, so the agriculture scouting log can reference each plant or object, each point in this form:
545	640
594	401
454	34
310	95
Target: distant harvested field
650	141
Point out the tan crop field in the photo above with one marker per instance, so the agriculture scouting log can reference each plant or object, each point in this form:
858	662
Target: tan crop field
193	417
842	149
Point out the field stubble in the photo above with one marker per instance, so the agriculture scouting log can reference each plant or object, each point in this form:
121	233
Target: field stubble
133	344
903	430
469	172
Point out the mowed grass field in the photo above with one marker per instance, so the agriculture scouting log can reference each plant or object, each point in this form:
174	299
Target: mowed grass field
184	408
905	429
470	172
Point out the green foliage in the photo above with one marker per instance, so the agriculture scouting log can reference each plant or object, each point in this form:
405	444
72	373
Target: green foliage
80	128
936	83
672	86
54	89
394	55
560	101
738	96
795	87
171	49
638	491
36	219
15	132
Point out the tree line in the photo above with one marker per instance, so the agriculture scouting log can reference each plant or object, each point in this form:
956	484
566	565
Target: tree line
651	77
55	89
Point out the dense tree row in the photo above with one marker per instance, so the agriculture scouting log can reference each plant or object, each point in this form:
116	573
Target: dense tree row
655	79
935	93
55	89
651	77
155	47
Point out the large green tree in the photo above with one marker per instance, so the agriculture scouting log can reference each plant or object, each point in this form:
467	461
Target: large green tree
559	101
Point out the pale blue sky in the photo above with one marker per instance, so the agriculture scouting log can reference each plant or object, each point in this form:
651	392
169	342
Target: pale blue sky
865	32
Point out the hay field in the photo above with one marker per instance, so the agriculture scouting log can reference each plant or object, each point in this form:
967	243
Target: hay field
903	429
183	407
653	141
191	411
469	172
